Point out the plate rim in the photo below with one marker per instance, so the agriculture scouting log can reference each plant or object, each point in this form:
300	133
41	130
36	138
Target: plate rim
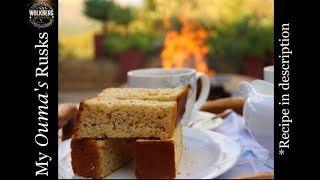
209	133
213	135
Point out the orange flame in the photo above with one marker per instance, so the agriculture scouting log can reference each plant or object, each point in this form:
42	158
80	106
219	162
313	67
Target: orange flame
186	48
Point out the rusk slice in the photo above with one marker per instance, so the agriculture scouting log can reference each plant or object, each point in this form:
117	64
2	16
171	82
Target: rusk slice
96	158
158	159
166	94
179	94
102	117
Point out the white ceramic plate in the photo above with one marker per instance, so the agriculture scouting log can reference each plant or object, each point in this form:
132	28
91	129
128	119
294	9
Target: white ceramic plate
206	155
203	120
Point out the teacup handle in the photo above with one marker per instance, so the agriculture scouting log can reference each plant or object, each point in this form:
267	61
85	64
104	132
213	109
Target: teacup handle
205	82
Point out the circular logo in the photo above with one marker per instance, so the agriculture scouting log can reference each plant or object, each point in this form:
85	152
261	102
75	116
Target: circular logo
41	14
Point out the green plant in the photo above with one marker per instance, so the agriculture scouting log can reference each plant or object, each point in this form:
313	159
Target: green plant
121	15
243	38
141	41
260	41
116	43
231	43
99	10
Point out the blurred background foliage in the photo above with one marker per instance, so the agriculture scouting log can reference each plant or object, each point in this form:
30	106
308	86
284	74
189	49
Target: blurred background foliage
237	28
116	43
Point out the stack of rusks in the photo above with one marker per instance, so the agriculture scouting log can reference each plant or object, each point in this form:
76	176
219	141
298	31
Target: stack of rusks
121	124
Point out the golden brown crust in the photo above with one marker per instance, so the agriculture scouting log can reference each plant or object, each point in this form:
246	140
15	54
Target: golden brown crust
179	111
172	124
85	158
156	94
88	161
96	158
181	104
147	152
158	159
108	117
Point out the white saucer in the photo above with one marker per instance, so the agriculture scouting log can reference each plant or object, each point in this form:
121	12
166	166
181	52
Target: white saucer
203	120
206	155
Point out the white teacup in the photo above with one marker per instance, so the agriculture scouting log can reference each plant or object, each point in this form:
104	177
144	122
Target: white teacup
172	78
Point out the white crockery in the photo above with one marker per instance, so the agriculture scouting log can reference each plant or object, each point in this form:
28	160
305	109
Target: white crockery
172	78
258	112
206	155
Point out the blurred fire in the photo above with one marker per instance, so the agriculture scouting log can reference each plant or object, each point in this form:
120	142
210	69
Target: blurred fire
186	48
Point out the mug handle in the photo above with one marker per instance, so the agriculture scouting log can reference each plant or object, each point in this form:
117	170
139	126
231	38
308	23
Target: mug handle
204	90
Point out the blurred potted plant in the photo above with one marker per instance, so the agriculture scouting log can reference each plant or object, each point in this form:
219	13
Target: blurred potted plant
99	10
129	50
128	58
132	58
245	44
115	44
122	16
259	47
226	48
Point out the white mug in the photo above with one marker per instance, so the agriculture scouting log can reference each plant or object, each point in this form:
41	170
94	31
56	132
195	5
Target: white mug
172	78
